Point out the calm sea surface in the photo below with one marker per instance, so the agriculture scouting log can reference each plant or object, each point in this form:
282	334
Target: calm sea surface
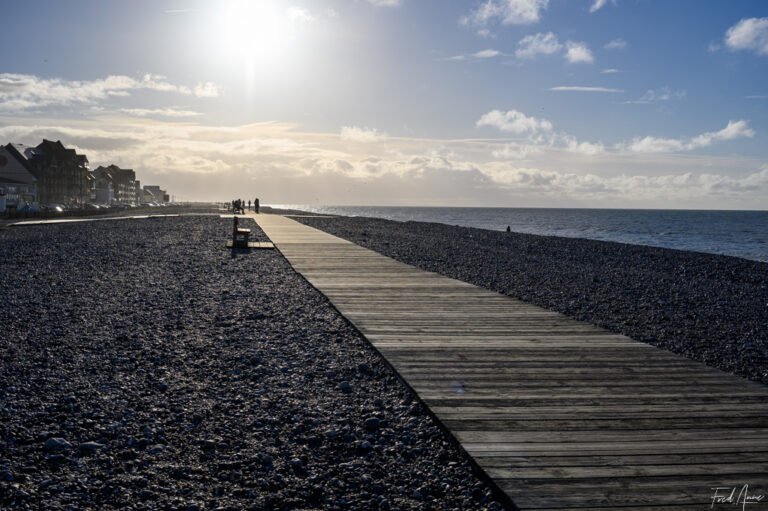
736	233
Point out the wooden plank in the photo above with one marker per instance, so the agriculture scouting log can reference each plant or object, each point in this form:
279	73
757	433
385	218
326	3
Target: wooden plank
612	425
561	414
624	460
627	470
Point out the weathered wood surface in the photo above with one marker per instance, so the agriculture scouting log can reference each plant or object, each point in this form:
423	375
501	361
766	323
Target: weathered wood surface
561	414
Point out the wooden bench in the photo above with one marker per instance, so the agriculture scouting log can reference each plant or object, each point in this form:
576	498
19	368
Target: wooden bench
241	238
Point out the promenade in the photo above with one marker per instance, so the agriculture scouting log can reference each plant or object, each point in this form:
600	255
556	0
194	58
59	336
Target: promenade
561	414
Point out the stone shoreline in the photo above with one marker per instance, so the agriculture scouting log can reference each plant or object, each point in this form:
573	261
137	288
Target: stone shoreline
709	308
144	366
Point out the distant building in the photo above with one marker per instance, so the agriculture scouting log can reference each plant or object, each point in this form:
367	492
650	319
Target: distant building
18	185
62	174
90	181
153	193
121	182
103	192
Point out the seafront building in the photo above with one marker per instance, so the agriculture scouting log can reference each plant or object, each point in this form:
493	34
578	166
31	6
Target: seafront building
50	174
115	184
153	193
61	173
18	185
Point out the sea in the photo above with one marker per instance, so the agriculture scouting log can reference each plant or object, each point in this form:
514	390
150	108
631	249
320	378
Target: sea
735	233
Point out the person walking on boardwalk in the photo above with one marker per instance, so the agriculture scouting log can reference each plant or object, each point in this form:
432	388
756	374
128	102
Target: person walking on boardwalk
256	204
249	204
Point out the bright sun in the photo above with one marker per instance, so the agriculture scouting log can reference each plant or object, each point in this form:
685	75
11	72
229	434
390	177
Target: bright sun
261	35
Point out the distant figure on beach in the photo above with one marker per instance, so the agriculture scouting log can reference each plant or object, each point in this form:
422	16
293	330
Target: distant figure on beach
249	205
256	204
509	229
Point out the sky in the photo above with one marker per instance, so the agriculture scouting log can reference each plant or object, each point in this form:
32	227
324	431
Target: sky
503	103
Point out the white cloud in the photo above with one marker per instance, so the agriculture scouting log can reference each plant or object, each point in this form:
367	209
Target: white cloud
486	54
609	71
384	3
579	88
206	90
540	134
160	112
616	44
514	122
509	12
538	44
655	95
656	145
749	34
599	4
479	55
734	130
586	148
23	92
578	52
514	151
357	134
533	45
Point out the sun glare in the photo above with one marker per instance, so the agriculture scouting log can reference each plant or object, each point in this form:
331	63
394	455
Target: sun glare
263	36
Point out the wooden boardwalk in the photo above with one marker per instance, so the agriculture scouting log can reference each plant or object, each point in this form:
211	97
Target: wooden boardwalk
561	414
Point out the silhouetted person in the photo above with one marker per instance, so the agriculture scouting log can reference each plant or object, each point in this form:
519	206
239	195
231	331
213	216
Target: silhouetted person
509	229
249	205
256	204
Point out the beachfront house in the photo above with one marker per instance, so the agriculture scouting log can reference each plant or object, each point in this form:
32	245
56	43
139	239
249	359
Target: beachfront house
62	174
114	184
103	191
18	185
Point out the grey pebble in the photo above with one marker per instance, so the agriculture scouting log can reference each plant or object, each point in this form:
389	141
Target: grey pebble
372	423
56	444
90	447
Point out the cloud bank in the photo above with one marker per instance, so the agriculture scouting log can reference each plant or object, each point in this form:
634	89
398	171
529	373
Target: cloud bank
281	163
25	92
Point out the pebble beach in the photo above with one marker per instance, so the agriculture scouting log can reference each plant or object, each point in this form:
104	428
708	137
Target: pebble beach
144	366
